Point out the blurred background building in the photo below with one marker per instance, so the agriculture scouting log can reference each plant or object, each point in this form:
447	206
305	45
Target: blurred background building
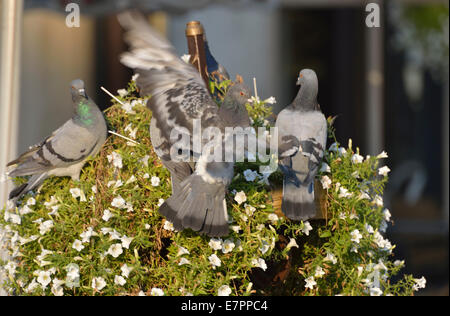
387	84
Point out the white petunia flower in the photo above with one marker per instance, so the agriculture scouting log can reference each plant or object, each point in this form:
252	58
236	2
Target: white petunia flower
334	147
342	151
250	175
215	261
310	283
319	272
356	236
156	292
186	58
363	196
344	193
215	244
119	280
168	226
325	168
98	284
249	210
265	246
126	270
228	246
118	202
184	261
25	210
306	228
128	108
374	291
116	160
331	258
270	100
240	197
115	250
224	290
107	215
86	236
45	227
126	241
383	155
57	288
326	182
44	278
122	92
77	245
182	251
383	171
387	215
78	193
131	180
155	181
378	201
160	202
31	201
419	284
259	263
273	218
357	159
292	243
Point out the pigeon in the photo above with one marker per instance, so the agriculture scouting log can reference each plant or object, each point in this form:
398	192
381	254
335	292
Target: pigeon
66	150
302	133
179	96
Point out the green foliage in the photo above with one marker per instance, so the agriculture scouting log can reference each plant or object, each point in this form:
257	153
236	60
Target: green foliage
103	235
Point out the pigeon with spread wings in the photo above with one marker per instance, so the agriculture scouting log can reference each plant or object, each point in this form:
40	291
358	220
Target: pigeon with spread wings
179	97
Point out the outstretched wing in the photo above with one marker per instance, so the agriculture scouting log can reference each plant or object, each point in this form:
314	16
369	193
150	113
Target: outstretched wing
178	93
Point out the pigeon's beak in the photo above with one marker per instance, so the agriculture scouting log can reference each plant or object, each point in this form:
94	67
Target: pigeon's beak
298	82
83	93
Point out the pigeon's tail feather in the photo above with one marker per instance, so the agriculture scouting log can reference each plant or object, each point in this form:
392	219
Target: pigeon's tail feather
200	206
34	182
298	201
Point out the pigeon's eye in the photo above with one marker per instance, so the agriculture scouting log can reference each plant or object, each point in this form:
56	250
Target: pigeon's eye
242	93
301	75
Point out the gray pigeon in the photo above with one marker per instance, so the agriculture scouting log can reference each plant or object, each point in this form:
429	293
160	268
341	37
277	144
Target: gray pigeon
302	122
178	97
65	151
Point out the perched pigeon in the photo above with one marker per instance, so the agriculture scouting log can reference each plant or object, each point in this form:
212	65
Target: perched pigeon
178	97
302	122
65	151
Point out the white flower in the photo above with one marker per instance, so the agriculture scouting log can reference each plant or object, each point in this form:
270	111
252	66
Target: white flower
270	100
273	218
25	210
44	278
344	193
419	284
119	280
356	159
107	215
378	201
334	147
224	290
264	247
53	201
131	180
383	171
94	189
31	201
310	283
116	160
236	228
215	261
182	251
13	218
135	77
42	256
249	210
325	168
240	197
126	241
54	211
250	175
215	244
86	236
45	227
186	58
259	263
292	243
77	245
156	292
356	236
115	250
363	196
374	291
78	193
319	272
342	151
73	272
326	182
228	246
98	284
168	226
118	202
128	108
387	215
57	288
184	261
122	92
331	258
383	155
155	181
306	228
11	268
126	270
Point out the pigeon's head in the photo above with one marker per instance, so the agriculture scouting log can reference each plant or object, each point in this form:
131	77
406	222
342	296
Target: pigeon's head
306	76
77	87
240	93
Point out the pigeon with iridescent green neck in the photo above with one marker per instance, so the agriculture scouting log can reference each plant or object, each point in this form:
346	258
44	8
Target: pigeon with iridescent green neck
66	150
